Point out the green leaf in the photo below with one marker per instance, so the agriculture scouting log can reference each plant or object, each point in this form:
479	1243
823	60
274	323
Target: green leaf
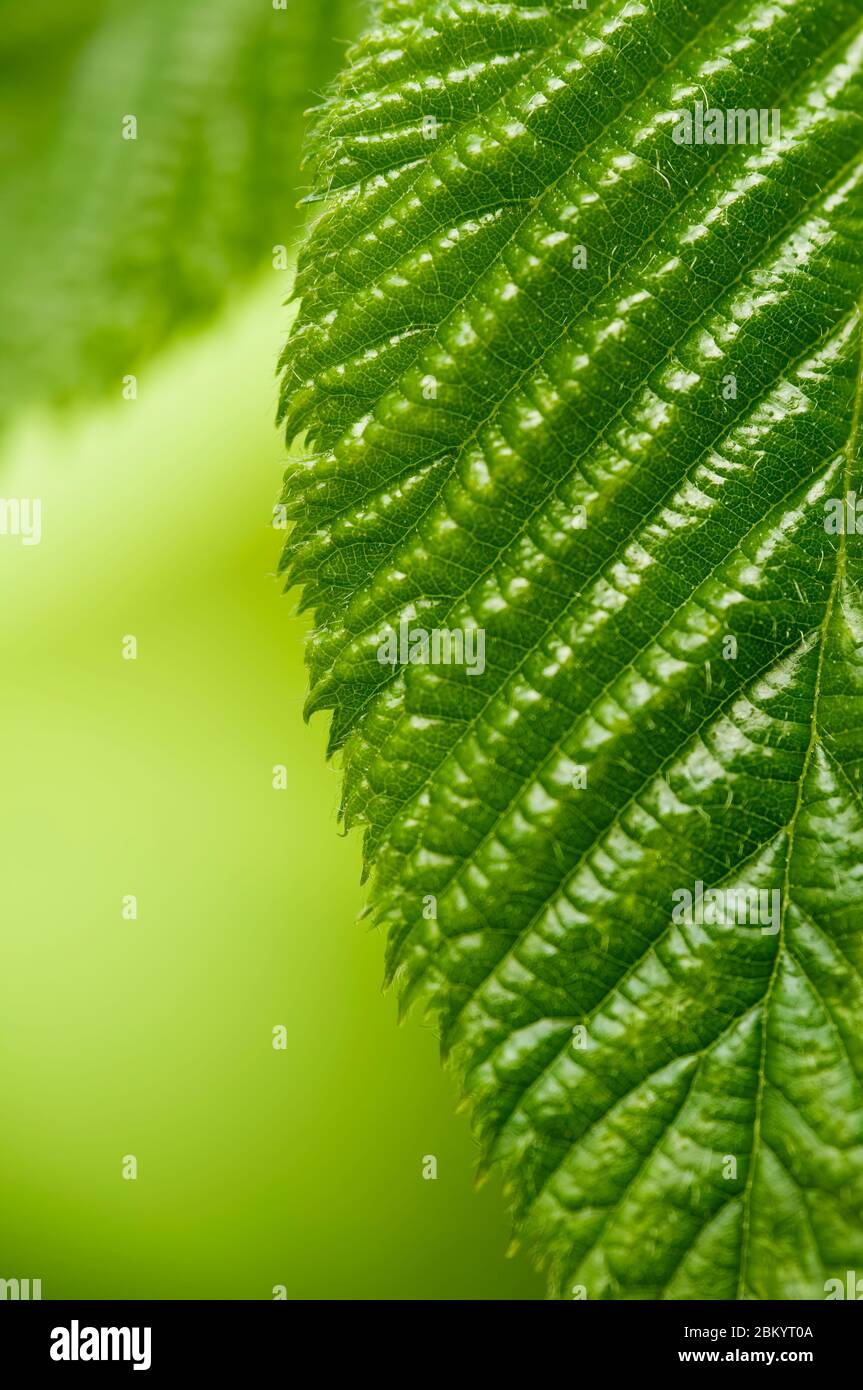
622	463
111	244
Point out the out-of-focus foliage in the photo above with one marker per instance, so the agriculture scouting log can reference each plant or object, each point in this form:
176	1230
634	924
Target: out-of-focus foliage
109	244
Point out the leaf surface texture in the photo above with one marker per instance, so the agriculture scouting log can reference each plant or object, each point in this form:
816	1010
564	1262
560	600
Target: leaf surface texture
591	391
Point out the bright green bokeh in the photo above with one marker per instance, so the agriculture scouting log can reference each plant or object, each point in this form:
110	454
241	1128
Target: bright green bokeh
153	777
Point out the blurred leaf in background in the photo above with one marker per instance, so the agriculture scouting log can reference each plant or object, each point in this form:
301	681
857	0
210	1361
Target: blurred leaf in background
110	243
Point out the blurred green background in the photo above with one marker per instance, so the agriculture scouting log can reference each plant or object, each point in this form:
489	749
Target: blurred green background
153	777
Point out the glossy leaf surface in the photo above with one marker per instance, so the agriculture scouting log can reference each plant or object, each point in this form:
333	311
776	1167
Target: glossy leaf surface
596	394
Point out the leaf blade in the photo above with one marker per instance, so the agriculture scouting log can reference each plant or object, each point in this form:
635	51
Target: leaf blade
599	395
